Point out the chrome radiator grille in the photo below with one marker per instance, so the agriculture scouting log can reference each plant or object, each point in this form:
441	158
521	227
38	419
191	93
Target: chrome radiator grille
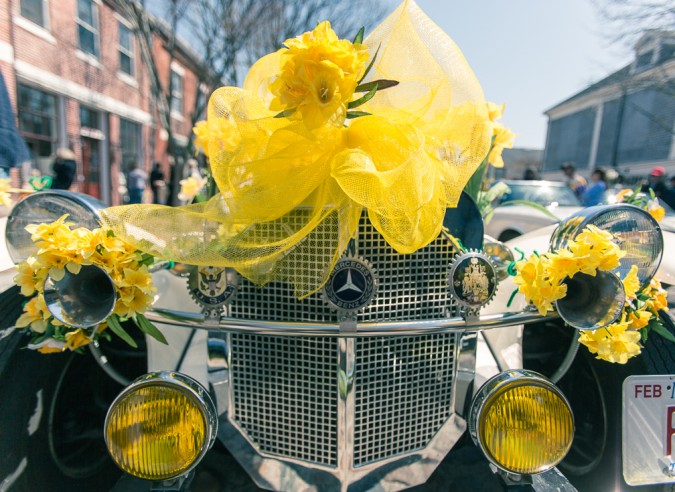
403	393
285	395
411	287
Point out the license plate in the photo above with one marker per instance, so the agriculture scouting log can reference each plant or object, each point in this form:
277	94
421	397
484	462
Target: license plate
649	429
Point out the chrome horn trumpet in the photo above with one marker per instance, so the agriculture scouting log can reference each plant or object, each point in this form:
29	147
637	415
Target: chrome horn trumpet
592	302
81	300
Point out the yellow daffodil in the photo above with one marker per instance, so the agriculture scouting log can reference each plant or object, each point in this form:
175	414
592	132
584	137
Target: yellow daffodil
495	112
190	187
216	134
318	76
615	343
631	283
503	139
658	297
64	250
639	319
35	315
139	278
30	276
5	197
76	339
656	210
623	194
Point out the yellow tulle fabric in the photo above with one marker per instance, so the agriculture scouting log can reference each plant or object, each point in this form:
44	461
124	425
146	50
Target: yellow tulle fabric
291	194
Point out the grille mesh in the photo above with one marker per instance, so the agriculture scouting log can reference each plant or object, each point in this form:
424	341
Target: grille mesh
285	394
411	287
403	393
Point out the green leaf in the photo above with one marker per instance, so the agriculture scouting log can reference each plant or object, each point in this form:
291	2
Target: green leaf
359	36
644	333
114	324
363	99
658	327
149	329
285	113
146	260
379	84
370	65
355	114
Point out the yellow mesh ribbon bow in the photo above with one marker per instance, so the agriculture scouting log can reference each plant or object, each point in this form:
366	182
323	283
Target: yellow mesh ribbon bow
292	188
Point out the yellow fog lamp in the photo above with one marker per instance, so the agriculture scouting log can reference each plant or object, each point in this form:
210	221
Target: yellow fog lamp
521	422
160	426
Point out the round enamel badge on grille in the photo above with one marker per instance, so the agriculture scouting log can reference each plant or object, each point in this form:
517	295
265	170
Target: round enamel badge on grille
351	286
212	287
472	279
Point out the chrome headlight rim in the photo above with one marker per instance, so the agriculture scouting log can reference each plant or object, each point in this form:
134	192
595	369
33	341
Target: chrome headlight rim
500	254
188	387
87	204
573	225
497	385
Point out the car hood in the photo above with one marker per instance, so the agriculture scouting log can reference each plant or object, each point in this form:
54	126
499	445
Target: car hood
525	210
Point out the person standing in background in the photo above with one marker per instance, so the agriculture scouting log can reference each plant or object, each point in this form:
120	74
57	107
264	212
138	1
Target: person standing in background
595	192
64	168
13	150
136	183
576	182
157	184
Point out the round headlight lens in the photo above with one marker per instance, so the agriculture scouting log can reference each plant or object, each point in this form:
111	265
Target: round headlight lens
45	207
635	231
160	426
522	422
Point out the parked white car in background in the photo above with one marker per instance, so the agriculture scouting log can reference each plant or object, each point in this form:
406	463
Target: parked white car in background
510	221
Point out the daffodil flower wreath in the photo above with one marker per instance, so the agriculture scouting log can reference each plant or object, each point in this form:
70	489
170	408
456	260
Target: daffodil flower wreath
296	162
540	279
61	249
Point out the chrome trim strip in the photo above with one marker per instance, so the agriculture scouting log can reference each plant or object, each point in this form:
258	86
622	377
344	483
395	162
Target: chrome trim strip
410	328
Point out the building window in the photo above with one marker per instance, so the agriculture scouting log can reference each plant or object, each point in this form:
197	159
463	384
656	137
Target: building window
87	26
176	93
33	10
569	140
130	142
645	59
37	122
667	52
126	50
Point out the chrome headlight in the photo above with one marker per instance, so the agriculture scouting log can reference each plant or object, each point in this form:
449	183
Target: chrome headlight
43	207
161	426
521	422
500	254
635	231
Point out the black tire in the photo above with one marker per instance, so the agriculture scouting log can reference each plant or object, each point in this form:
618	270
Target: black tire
52	413
594	390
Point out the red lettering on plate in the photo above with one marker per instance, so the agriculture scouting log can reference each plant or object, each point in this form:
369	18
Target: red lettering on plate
648	390
670	429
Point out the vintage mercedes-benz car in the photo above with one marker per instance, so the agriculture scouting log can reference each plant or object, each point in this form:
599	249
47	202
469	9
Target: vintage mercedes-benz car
366	385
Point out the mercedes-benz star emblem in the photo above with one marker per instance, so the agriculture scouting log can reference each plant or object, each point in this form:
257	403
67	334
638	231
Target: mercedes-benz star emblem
351	286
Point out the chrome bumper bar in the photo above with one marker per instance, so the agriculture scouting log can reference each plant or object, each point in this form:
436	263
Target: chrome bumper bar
348	328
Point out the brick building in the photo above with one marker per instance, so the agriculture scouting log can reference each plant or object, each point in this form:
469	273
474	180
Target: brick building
76	79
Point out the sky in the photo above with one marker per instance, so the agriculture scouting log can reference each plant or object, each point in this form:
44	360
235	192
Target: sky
529	54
